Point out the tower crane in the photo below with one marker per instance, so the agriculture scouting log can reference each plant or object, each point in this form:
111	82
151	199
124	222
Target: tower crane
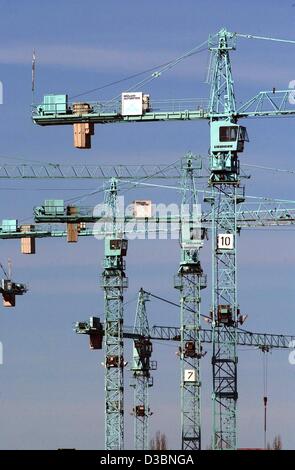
140	107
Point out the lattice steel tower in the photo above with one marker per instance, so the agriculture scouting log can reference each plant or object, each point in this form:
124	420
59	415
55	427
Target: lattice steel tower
141	368
190	280
113	282
227	139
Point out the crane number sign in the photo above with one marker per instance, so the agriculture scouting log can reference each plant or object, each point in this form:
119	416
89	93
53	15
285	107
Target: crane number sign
225	241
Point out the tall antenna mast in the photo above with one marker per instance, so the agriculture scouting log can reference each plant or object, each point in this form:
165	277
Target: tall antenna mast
33	74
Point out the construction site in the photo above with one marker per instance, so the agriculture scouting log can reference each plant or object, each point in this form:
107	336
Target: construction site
146	227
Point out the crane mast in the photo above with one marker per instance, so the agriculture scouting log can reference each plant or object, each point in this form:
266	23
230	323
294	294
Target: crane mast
227	139
113	282
141	371
189	281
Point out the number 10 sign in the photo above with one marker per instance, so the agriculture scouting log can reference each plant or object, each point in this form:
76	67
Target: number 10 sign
225	241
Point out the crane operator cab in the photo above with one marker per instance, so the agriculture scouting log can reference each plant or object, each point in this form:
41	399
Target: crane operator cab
227	140
227	137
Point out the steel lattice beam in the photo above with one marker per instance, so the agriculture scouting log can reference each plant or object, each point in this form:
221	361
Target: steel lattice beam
172	333
100	172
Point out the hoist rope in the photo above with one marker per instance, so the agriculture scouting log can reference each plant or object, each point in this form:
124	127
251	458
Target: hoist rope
265	396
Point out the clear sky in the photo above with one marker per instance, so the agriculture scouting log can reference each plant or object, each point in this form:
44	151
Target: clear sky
51	385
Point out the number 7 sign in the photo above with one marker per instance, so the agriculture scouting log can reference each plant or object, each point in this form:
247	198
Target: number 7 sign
189	375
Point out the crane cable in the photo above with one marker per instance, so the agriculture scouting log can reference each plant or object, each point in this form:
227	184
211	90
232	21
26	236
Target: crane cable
189	309
264	38
167	67
4	271
156	70
265	394
160	68
269	168
103	187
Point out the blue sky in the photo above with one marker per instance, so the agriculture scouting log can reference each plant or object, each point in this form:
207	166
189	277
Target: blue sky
51	392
